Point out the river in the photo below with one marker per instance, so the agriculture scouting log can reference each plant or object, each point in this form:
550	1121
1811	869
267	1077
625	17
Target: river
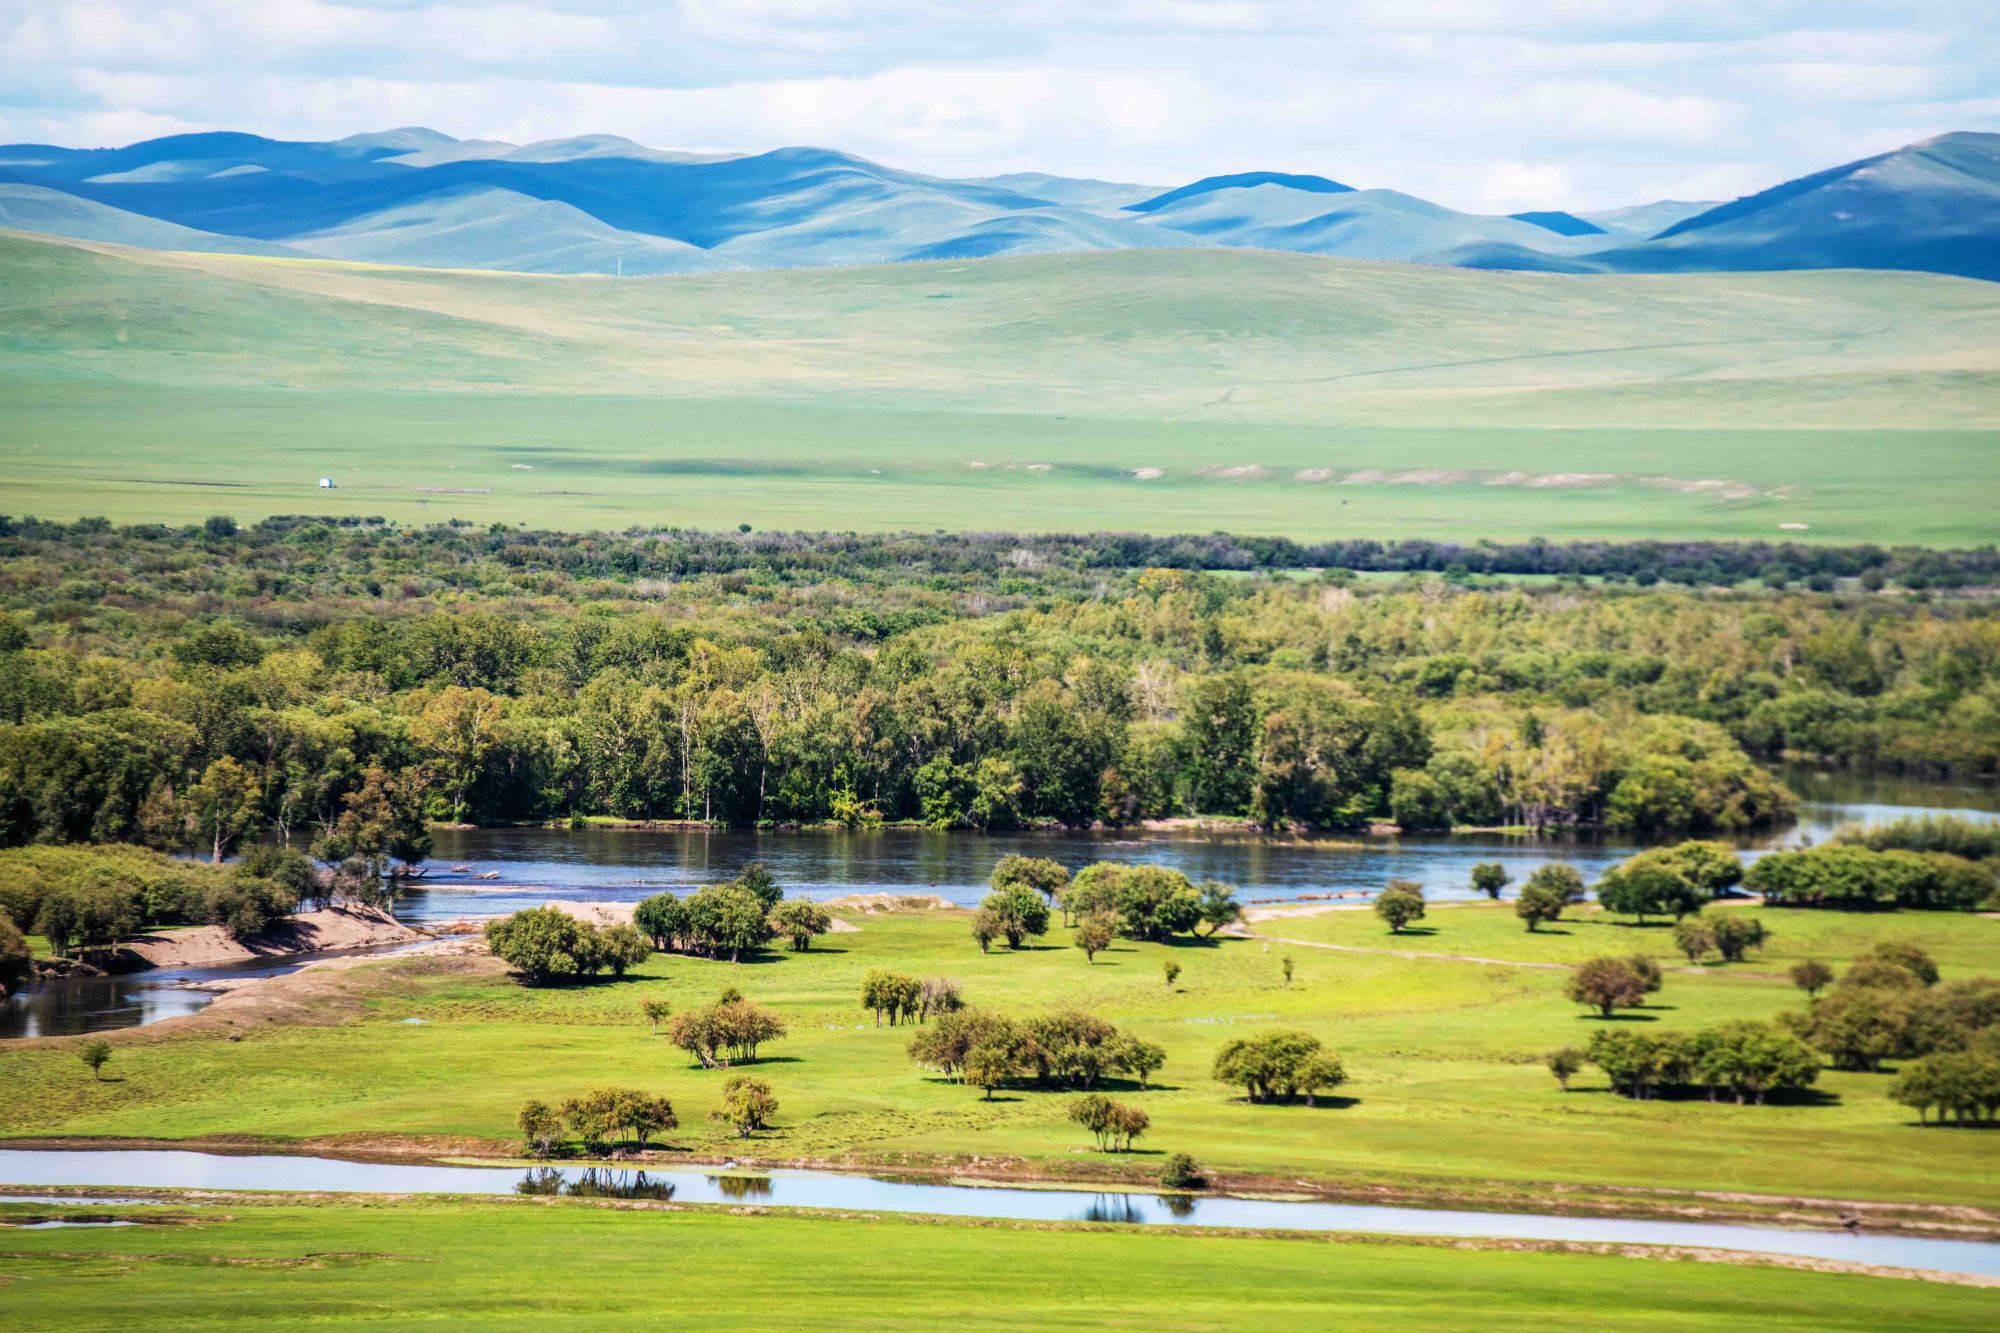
23	1170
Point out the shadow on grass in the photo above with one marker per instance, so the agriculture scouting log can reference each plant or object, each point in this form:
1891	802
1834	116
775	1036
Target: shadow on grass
1627	1017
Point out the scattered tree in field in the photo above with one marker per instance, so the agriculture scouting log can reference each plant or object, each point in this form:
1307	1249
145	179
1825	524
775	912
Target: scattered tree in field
985	928
541	1128
1744	1060
1172	971
1489	877
986	1068
1549	891
757	881
546	944
938	995
1046	877
725	1033
1094	934
1647	969
801	921
1140	1059
727	920
1285	966
1736	935
1151	902
1858	1027
1607	984
1182	1172
1114	1124
891	995
95	1055
1279	1066
1963	1086
1639	888
1811	976
1218	905
1400	903
1693	938
655	1013
1017	912
747	1105
1565	1064
663	918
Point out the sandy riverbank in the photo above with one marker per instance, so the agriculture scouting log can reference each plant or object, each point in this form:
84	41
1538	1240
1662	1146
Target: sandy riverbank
344	927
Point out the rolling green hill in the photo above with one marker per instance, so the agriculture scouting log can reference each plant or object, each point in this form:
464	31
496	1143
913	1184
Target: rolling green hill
1163	390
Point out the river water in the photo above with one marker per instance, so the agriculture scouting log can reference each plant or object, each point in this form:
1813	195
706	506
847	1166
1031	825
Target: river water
23	1170
623	865
533	865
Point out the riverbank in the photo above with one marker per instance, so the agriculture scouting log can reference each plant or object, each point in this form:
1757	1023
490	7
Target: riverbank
347	926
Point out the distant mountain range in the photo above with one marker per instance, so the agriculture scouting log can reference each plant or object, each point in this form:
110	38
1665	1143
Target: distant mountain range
602	204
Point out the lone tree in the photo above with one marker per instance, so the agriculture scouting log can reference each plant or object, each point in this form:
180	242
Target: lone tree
1114	1124
1219	907
1046	877
1564	1064
1172	971
1182	1172
1736	935
655	1013
1278	1066
747	1105
1285	965
95	1054
1489	877
1400	904
1606	984
1693	938
1811	976
801	921
1550	890
1093	934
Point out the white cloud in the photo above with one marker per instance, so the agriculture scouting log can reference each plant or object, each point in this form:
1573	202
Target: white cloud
1475	103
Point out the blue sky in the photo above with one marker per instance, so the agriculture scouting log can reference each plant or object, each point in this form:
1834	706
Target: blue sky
1474	103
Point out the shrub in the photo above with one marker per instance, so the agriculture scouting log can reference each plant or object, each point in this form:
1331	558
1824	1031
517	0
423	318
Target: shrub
1565	1064
727	1032
1182	1172
95	1055
1489	877
1549	891
1811	976
1016	912
545	944
1114	1124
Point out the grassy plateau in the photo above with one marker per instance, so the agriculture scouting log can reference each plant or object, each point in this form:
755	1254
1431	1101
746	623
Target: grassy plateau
1144	390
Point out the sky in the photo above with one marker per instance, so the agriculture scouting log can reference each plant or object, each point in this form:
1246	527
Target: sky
1477	104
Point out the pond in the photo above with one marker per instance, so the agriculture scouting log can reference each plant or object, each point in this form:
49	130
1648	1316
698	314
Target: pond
623	865
31	1168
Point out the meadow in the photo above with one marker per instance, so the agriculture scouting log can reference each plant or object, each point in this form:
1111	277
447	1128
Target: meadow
543	1264
1146	390
1447	1096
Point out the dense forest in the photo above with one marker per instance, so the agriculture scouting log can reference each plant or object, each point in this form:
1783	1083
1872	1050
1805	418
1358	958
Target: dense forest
341	682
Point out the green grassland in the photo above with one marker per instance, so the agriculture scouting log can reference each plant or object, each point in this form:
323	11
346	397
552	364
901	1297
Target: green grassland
1446	1085
1033	394
530	1264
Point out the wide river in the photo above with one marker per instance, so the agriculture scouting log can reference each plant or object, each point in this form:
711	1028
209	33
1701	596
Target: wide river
532	865
23	1170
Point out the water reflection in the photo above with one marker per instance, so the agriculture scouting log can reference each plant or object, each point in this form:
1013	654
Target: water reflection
29	1168
594	1183
742	1187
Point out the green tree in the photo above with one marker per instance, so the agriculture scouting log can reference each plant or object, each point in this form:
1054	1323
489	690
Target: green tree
655	1012
1811	976
1278	1066
1093	934
620	947
1400	903
1489	877
1548	892
1693	938
1217	904
545	944
541	1129
95	1055
1046	877
747	1105
663	918
225	805
1172	971
1019	911
1606	984
801	920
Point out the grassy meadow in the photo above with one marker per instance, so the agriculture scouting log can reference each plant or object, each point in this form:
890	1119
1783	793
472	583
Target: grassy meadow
1446	1083
1143	390
532	1264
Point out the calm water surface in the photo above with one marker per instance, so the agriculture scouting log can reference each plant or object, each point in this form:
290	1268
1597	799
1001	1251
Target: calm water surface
811	1189
624	865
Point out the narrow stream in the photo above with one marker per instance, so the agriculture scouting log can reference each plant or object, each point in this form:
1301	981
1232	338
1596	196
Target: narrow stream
22	1170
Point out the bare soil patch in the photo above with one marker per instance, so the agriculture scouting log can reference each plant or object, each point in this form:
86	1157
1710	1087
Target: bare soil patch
345	927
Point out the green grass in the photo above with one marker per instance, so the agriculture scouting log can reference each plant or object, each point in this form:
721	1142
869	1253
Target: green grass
1446	1080
505	1265
156	387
